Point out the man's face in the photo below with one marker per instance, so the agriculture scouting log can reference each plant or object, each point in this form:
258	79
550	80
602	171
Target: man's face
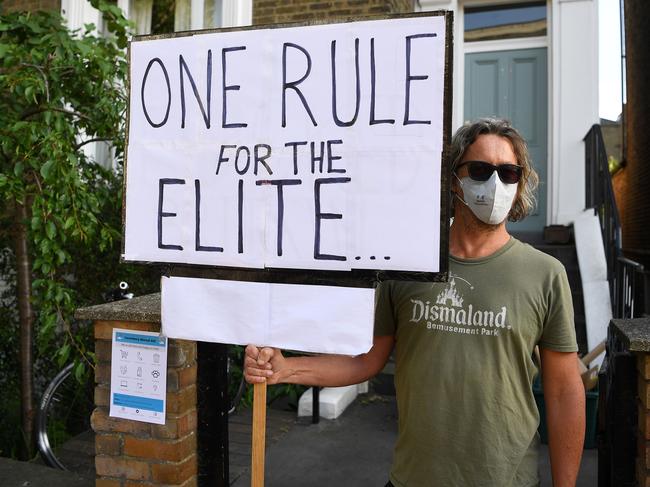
490	148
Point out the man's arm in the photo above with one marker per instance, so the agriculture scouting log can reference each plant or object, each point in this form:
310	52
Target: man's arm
269	365
564	396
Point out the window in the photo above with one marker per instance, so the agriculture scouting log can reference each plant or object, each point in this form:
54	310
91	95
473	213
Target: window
212	14
162	16
505	21
176	15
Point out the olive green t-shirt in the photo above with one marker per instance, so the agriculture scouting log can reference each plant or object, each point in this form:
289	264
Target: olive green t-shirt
465	366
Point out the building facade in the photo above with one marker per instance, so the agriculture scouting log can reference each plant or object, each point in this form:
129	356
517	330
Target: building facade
534	62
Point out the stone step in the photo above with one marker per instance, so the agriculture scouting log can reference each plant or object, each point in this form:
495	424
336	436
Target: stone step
332	400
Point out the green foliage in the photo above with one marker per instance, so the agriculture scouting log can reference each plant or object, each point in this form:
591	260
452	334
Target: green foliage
58	90
116	23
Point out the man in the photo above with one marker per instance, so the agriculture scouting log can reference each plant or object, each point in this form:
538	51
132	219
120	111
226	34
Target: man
464	350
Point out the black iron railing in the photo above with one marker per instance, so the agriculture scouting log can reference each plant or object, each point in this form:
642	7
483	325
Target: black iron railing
629	297
626	277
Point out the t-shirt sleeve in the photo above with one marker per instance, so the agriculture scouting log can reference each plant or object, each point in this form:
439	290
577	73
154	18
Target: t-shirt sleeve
559	332
385	323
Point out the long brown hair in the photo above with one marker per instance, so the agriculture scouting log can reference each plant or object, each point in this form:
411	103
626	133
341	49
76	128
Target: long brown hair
466	135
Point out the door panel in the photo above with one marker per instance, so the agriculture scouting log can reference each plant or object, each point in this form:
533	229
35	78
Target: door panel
514	87
486	93
524	77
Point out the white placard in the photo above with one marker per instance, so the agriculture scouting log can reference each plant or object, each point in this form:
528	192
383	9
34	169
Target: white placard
318	319
138	376
593	274
314	147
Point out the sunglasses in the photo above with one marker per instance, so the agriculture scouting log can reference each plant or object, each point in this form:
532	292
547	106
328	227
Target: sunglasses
482	171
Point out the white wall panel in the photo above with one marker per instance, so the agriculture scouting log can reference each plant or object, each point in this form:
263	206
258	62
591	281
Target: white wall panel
575	102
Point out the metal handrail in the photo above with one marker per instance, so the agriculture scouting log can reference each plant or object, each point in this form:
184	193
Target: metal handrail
628	283
625	276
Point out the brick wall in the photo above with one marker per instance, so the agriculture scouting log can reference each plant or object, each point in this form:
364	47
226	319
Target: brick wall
281	11
634	202
131	453
29	5
631	186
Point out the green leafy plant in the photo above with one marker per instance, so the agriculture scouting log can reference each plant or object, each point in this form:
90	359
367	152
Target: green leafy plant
59	92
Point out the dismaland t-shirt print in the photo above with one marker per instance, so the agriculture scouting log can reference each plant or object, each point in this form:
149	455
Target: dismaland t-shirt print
454	312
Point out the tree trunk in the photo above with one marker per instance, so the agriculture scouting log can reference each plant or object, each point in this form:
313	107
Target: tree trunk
26	313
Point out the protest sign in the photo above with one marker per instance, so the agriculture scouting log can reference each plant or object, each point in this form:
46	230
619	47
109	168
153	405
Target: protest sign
304	151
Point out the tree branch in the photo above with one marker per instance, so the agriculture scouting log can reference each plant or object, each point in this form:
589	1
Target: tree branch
36	111
40	70
38	181
98	139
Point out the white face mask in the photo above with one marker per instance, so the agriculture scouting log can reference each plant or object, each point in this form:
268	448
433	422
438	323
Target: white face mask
489	200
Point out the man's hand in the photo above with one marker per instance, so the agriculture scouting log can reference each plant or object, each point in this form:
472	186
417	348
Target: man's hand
264	364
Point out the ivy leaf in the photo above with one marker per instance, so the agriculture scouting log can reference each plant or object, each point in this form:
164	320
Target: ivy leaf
64	354
68	222
36	222
50	230
46	169
83	48
79	370
44	247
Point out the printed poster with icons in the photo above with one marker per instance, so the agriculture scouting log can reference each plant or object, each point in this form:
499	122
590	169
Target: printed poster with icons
138	376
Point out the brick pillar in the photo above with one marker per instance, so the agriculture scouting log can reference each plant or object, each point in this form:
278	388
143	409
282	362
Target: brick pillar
643	439
131	453
624	411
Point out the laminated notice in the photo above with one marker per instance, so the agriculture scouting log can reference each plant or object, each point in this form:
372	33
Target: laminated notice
138	376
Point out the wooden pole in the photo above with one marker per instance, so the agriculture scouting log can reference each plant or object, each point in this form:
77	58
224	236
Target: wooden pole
259	435
598	349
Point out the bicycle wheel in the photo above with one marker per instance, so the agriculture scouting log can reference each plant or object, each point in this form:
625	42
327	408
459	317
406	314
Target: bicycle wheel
63	422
